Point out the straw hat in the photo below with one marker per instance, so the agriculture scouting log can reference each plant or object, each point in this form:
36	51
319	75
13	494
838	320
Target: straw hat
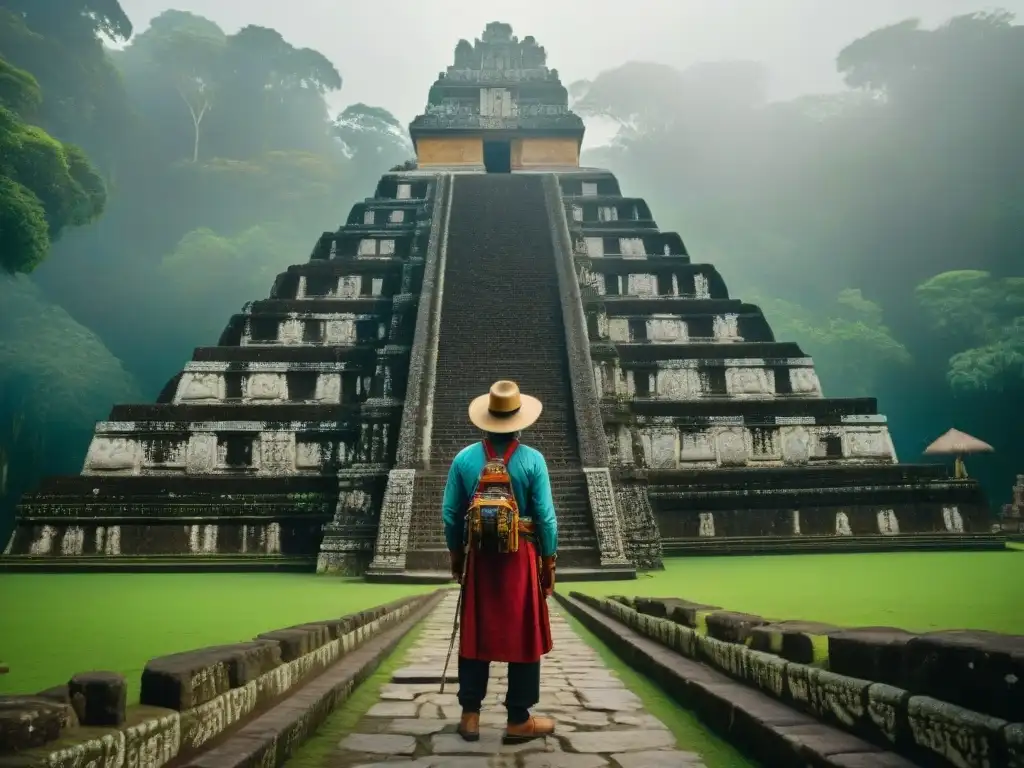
504	409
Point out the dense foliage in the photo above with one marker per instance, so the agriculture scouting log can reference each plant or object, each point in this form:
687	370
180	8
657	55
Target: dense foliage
882	227
148	192
222	165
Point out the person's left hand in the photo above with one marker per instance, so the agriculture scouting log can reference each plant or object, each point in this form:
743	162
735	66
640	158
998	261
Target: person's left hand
547	575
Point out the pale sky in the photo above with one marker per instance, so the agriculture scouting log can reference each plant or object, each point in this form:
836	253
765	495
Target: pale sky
390	51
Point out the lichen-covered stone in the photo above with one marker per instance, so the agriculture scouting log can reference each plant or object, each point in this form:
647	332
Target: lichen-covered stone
28	721
99	698
766	672
683	612
798	686
1013	737
296	642
186	680
839	699
732	627
982	671
887	710
731	658
870	653
804	642
957	735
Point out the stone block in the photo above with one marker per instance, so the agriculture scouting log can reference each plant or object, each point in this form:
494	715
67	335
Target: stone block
297	641
335	629
99	698
958	736
870	653
186	680
732	627
839	699
730	658
804	642
983	671
1013	736
887	711
766	672
31	721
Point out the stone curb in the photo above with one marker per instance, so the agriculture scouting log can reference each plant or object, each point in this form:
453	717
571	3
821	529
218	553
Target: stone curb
768	730
273	737
153	736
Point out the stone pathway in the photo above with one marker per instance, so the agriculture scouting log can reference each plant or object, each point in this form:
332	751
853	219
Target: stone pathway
600	722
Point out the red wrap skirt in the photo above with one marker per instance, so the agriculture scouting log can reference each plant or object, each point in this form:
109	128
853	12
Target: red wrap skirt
504	613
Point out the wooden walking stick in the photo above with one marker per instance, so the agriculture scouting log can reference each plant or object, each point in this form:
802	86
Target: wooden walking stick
458	613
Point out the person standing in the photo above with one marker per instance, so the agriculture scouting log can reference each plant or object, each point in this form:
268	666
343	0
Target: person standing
502	536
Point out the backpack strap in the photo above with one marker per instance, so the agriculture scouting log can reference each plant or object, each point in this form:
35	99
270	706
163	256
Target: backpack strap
491	455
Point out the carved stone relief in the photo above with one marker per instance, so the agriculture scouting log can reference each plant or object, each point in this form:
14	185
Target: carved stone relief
387	248
632	247
666	330
290	332
732	447
796	522
843	524
308	455
349	286
277	453
201	454
367	247
642	285
952	519
662	448
340	331
618	329
595	245
266	386
804	381
696	446
796	445
328	388
702	289
749	381
867	443
113	454
678	384
706	528
888	525
404	192
726	327
200	386
589	189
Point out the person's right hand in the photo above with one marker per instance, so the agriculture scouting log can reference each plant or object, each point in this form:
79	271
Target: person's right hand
547	575
457	561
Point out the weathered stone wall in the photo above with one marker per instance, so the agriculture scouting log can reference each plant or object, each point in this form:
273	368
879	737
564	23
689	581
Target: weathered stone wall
187	699
948	698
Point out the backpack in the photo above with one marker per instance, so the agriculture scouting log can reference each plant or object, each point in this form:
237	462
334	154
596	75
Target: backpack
492	518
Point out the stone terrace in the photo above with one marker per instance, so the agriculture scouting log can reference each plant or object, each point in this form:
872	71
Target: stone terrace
600	722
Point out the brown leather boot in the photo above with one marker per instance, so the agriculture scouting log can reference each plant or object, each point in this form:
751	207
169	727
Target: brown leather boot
534	728
469	726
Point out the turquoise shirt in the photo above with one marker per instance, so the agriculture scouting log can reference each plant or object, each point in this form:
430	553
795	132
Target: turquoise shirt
531	486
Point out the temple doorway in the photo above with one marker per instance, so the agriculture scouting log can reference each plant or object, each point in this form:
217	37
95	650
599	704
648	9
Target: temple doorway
498	156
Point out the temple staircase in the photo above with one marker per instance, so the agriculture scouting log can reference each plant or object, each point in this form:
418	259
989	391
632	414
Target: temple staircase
501	318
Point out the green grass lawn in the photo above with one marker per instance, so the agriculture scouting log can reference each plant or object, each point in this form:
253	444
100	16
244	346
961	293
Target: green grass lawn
53	625
918	591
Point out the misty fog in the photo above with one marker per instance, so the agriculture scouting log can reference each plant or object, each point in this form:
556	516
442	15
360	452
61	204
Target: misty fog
854	167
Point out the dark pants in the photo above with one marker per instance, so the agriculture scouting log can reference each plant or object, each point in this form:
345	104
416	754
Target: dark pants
523	687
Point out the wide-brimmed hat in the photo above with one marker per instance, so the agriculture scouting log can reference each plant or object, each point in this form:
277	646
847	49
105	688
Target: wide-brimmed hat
504	409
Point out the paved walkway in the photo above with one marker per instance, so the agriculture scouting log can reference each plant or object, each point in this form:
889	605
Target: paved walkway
600	722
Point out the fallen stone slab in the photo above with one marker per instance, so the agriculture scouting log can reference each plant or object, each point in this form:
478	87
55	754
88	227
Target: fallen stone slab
296	642
685	612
